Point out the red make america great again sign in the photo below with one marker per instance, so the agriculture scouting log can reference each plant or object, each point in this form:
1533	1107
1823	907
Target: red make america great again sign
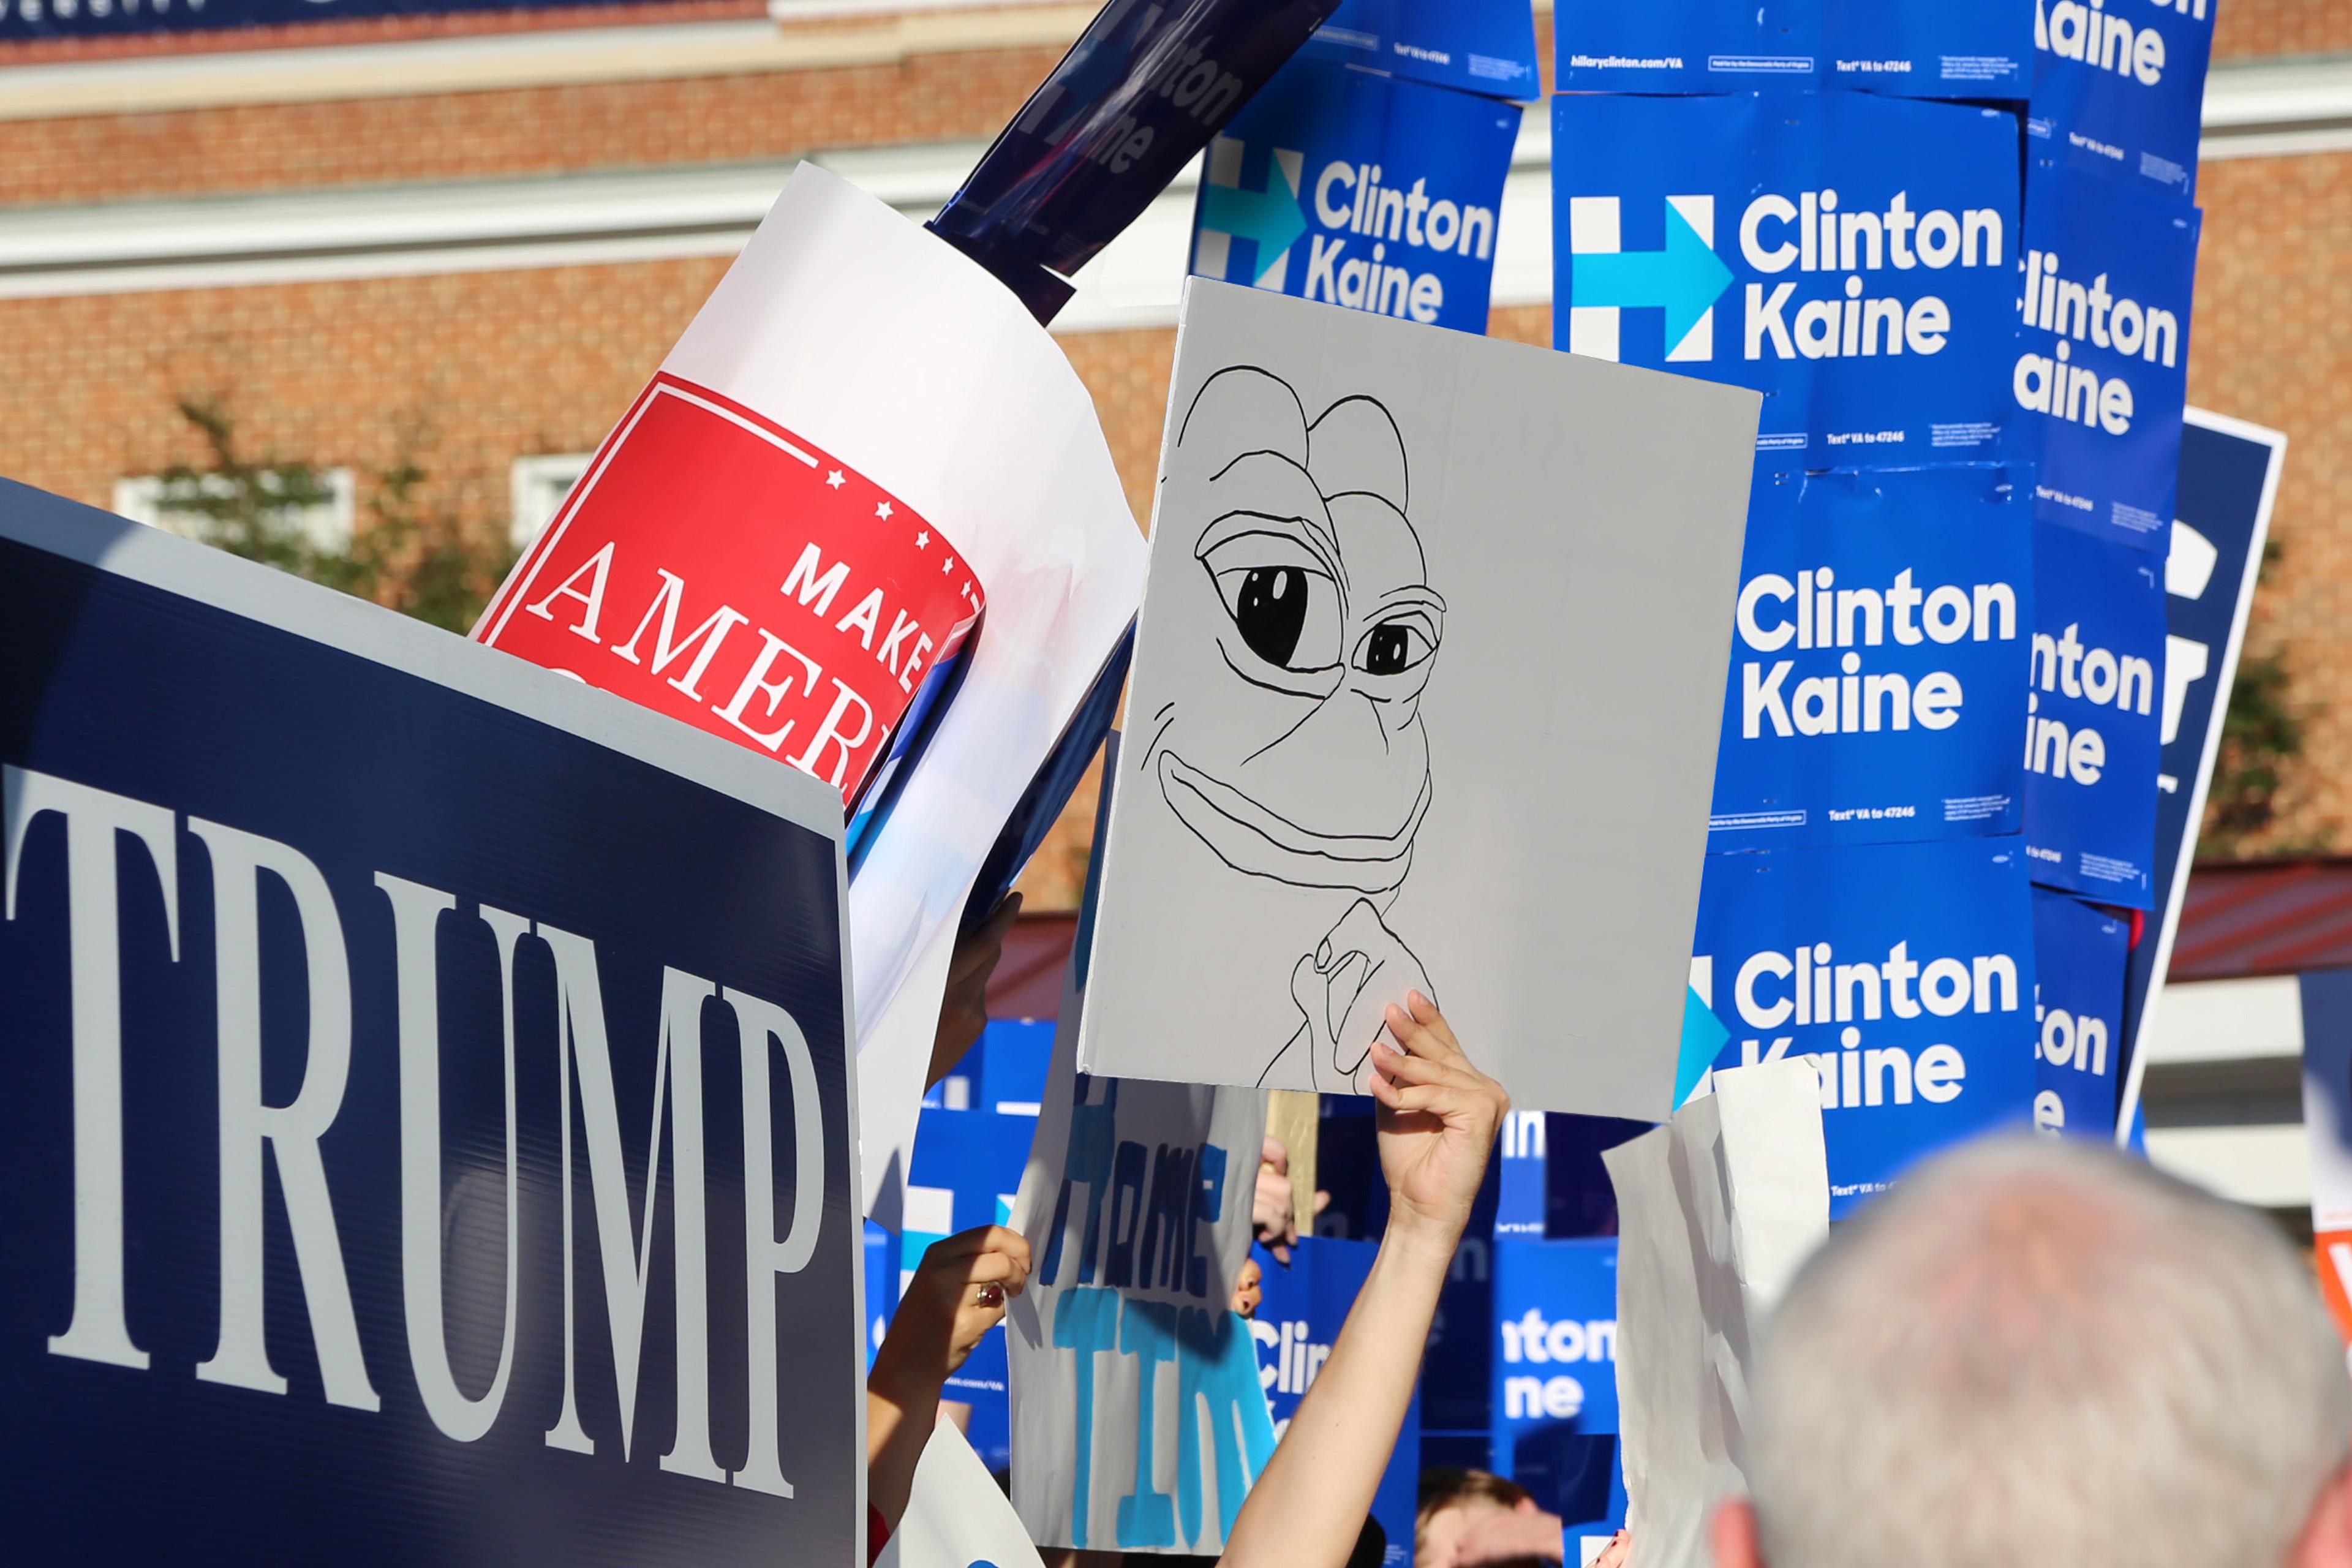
719	568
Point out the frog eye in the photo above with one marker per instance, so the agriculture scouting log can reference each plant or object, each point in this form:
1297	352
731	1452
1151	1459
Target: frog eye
1400	640
1393	647
1282	599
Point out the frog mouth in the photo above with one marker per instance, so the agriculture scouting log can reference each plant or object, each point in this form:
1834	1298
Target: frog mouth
1259	843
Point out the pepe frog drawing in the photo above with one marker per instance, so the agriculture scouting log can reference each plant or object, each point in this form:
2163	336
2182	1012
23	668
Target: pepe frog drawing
1295	751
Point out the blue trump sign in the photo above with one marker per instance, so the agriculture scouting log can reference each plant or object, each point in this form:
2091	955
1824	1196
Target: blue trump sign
1359	190
1877	648
1904	972
1851	257
425	1093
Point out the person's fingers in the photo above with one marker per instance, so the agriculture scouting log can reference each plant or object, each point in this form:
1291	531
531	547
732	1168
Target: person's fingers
1418	1037
1396	1065
1322	1200
980	1238
1424	1011
1272	1152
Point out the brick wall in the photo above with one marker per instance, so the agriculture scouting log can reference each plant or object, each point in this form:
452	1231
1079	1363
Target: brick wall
2271	342
522	131
2251	29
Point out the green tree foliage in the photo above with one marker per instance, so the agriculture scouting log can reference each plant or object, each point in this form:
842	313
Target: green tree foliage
2261	739
413	555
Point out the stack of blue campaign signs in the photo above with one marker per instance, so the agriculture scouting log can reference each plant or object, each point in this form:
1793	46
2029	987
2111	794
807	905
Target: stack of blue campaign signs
1953	248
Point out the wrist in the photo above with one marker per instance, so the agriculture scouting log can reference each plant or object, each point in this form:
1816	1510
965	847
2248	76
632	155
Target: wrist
909	1388
1421	1240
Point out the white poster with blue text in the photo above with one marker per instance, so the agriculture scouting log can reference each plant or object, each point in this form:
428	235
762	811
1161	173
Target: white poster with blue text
1877	655
1905	972
1851	257
1138	1421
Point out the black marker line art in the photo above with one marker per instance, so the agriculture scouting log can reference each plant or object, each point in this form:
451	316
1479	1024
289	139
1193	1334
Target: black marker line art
1319	630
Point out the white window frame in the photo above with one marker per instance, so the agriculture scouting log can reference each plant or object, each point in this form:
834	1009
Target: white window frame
326	527
536	487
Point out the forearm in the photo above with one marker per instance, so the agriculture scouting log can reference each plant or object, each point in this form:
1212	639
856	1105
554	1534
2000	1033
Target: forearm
1307	1507
899	1423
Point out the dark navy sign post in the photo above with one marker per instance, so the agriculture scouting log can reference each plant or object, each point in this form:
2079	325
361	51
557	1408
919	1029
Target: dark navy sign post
1851	257
424	1097
1877	656
2228	475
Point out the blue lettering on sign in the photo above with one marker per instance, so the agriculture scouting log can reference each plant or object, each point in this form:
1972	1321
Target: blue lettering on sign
1846	255
1216	1385
1145	1210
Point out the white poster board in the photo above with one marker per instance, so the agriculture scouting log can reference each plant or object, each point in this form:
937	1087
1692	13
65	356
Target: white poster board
1716	1211
1138	1420
1426	694
956	1518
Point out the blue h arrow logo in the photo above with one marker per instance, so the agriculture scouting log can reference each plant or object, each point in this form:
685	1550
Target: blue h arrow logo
1684	279
1271	219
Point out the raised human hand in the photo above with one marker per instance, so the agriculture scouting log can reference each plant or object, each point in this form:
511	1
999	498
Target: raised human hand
958	1294
1437	1119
